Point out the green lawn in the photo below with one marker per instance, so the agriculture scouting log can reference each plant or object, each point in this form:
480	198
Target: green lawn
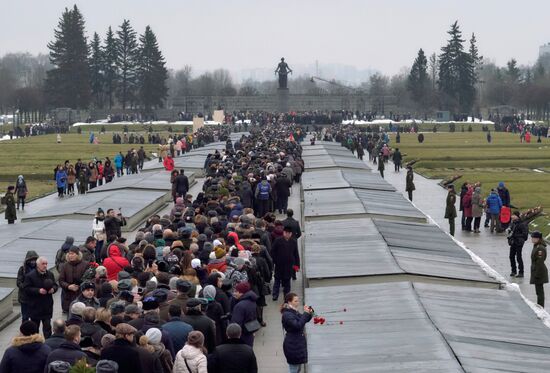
36	157
442	155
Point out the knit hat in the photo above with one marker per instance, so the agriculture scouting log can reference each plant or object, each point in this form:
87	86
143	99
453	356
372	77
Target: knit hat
195	338
28	328
106	366
59	366
196	263
74	249
217	243
208	247
154	335
202	237
220	252
209	292
536	234
78	308
117	308
242	287
106	340
106	288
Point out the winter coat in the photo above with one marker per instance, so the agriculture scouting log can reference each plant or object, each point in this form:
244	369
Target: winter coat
163	356
181	184
235	356
243	312
115	262
263	191
55	340
194	358
282	186
23	270
113	226
504	195
21	188
467	204
295	345
246	194
289	173
69	274
539	272
519	232
204	325
61	255
118	160
9	200
178	330
125	355
27	354
409	186
285	255
40	305
295	225
68	351
168	163
61	178
494	203
450	208
214	311
477	204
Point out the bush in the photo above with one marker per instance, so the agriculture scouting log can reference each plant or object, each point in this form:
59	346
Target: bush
470	128
452	127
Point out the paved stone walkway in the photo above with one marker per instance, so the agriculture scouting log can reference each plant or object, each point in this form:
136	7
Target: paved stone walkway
492	248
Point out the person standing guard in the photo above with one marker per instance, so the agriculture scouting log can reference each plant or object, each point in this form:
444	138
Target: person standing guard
517	235
9	200
450	209
539	272
409	187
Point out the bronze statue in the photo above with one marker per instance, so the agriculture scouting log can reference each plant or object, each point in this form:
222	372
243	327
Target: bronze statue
283	69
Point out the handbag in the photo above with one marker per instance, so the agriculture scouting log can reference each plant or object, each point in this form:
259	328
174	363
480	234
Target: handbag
252	326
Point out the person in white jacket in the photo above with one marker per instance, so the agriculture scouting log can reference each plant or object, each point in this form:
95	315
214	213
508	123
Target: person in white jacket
191	358
98	231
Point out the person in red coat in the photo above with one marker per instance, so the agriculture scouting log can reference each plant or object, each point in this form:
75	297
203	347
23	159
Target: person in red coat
467	207
168	163
115	262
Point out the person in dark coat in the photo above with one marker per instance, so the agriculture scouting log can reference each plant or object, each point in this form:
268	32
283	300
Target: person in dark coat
397	158
176	327
247	195
381	166
69	350
39	286
28	265
58	337
9	200
286	259
113	223
450	208
539	272
518	233
504	194
409	182
27	353
295	344
244	310
234	356
181	184
70	277
195	317
123	351
282	189
292	223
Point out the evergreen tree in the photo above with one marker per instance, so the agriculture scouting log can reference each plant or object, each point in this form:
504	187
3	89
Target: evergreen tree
68	83
97	78
512	71
456	73
126	63
418	81
110	58
477	59
152	73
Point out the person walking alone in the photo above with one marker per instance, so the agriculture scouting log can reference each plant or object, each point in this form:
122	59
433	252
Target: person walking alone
539	272
397	158
517	235
409	187
9	200
21	191
450	208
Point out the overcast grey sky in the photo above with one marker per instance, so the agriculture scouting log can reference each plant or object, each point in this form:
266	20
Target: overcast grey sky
238	34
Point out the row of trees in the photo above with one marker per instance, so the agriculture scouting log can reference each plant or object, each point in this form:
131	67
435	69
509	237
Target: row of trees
121	69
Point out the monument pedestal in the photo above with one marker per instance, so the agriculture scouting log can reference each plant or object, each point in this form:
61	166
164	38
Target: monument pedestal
282	100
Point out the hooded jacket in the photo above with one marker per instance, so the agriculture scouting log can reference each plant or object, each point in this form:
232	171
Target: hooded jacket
23	270
243	312
194	358
27	354
115	262
61	253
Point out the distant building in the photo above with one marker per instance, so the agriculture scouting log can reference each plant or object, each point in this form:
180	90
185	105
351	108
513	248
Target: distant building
544	49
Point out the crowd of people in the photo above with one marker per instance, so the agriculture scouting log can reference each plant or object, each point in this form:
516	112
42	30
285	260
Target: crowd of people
188	293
